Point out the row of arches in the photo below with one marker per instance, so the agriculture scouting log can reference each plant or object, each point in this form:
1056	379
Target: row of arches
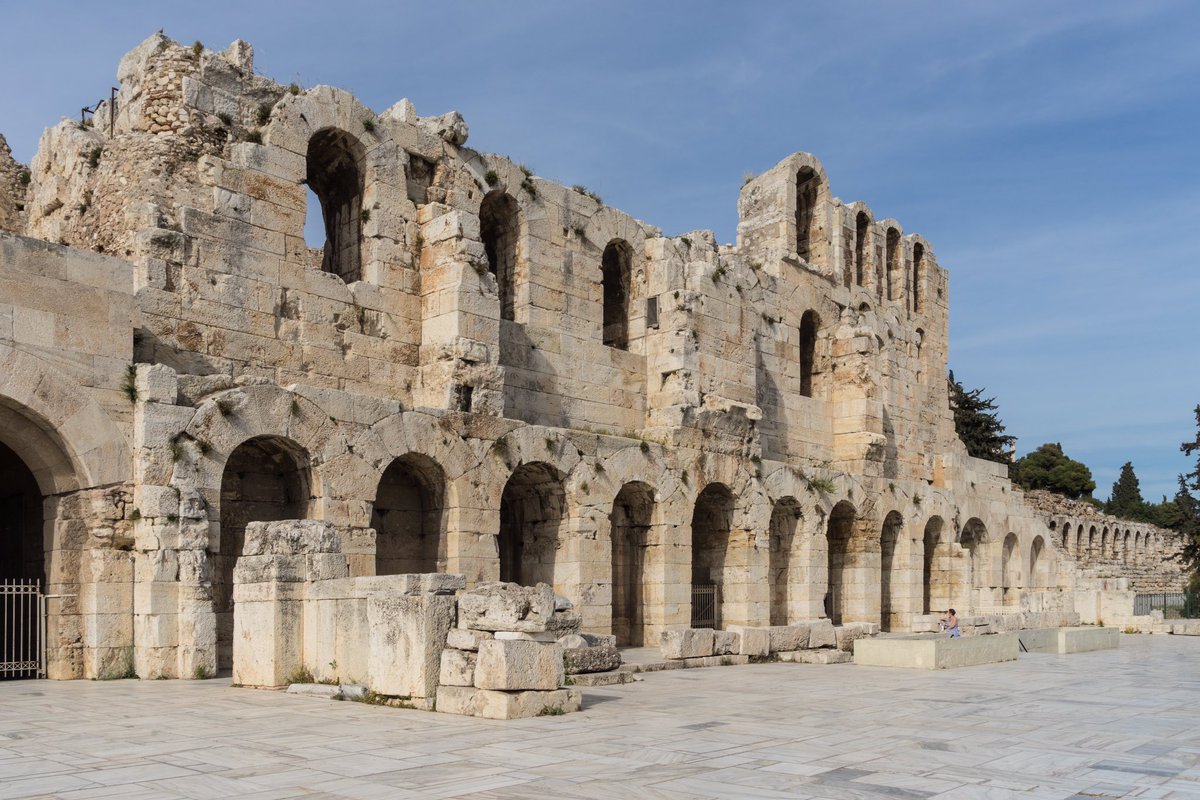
1090	542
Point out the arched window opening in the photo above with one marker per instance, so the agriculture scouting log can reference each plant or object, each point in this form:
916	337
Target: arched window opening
712	521
974	540
408	517
498	228
786	574
615	268
918	297
891	582
1039	565
861	228
893	263
631	515
810	324
807	185
335	176
531	513
265	480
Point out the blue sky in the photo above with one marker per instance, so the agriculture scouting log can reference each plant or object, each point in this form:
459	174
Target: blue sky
1048	150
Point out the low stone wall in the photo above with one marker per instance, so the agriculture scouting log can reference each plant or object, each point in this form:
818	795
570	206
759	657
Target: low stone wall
935	652
981	624
1070	640
699	645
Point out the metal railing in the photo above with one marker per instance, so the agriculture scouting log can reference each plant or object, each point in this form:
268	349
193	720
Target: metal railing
22	629
1174	605
704	606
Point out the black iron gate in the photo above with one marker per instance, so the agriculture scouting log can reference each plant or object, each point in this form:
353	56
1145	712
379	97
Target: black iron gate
22	629
704	606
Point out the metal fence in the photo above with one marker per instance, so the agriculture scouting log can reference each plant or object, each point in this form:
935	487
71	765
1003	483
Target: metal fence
1174	605
22	629
704	606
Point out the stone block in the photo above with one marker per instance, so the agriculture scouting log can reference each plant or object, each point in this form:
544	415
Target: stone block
458	668
752	641
463	639
849	633
490	704
512	665
324	691
687	643
506	607
406	636
785	638
520	636
591	659
820	634
726	643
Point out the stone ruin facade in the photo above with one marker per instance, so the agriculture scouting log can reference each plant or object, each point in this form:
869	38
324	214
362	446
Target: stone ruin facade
481	373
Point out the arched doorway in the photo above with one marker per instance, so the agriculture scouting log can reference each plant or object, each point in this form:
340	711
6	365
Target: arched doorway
266	479
1011	568
632	511
974	541
937	572
22	566
890	575
531	514
409	517
839	533
785	573
712	521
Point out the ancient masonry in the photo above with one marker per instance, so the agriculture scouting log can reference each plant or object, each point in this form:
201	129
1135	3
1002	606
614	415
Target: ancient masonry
482	373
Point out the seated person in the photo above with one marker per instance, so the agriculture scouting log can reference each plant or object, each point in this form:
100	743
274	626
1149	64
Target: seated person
950	623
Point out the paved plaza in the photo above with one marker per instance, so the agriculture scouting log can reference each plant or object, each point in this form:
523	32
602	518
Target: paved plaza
1106	724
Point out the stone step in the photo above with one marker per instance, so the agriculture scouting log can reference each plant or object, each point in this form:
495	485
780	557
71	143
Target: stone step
822	656
611	678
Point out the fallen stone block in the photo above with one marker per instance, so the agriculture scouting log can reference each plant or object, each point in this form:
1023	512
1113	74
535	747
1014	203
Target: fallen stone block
923	651
823	656
851	632
506	607
611	678
512	665
599	639
353	691
687	643
521	636
581	660
490	704
716	661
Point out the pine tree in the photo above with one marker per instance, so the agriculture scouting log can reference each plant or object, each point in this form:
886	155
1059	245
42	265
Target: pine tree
1051	469
977	425
1126	499
1187	506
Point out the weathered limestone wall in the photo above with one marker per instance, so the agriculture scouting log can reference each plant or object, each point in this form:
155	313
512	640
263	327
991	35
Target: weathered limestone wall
14	177
482	373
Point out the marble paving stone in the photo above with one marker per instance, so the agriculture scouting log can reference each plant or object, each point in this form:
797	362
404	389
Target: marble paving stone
1044	728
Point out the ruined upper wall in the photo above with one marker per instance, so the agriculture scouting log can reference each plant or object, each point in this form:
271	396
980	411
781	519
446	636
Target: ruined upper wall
199	176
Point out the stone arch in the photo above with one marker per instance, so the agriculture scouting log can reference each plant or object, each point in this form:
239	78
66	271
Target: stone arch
1105	543
532	516
630	538
67	440
499	230
1010	565
974	541
408	516
938	567
846	565
785	560
616	265
336	176
1091	543
1040	566
712	531
264	479
891	572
